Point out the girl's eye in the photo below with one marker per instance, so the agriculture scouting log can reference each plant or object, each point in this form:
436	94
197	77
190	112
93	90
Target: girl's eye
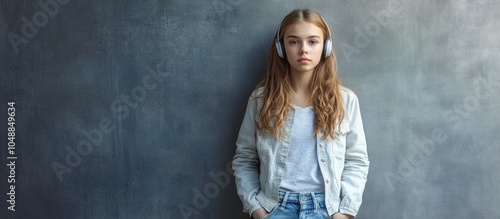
294	42
314	42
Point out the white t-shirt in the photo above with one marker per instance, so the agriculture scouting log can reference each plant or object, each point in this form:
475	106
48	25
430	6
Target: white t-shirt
302	173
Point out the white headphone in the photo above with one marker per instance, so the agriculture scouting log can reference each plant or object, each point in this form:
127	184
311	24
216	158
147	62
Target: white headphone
327	46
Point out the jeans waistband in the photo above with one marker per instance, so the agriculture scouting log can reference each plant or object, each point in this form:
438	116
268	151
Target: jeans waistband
294	197
298	198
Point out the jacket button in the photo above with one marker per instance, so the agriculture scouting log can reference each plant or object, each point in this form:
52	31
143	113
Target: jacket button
327	181
322	160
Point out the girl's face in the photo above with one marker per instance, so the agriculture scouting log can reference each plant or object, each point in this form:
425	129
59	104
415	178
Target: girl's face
304	46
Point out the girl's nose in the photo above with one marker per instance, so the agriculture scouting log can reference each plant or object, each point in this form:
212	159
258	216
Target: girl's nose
303	50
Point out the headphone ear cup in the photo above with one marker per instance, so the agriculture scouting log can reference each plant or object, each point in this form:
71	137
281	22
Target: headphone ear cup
283	49
327	48
279	48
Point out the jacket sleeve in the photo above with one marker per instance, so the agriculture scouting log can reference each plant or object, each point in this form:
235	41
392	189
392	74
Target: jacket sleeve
356	162
245	161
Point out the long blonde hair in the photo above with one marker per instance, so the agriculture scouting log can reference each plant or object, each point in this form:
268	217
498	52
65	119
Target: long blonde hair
276	86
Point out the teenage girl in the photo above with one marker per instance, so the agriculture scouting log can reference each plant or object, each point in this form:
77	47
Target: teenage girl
301	150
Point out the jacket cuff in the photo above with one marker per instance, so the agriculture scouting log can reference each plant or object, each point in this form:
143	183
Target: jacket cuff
349	211
254	206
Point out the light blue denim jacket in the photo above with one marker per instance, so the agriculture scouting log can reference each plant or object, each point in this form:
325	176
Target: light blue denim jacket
260	160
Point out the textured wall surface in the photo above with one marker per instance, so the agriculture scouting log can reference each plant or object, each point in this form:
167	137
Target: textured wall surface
130	109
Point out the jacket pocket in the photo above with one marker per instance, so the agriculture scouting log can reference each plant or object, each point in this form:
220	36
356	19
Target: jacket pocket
340	141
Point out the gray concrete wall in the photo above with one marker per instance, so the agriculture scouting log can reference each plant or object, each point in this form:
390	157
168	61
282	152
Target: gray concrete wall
130	109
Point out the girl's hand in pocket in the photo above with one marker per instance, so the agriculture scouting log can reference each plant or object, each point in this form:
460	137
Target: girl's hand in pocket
259	213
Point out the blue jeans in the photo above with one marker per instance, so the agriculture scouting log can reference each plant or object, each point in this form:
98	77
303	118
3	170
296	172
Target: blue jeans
299	206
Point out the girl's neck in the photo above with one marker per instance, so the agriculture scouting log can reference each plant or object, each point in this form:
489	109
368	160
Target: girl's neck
300	88
301	81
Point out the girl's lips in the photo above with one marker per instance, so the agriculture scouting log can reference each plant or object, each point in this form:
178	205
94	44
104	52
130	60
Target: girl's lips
304	60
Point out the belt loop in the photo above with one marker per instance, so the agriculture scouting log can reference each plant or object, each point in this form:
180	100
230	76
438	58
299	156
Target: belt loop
283	203
316	205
